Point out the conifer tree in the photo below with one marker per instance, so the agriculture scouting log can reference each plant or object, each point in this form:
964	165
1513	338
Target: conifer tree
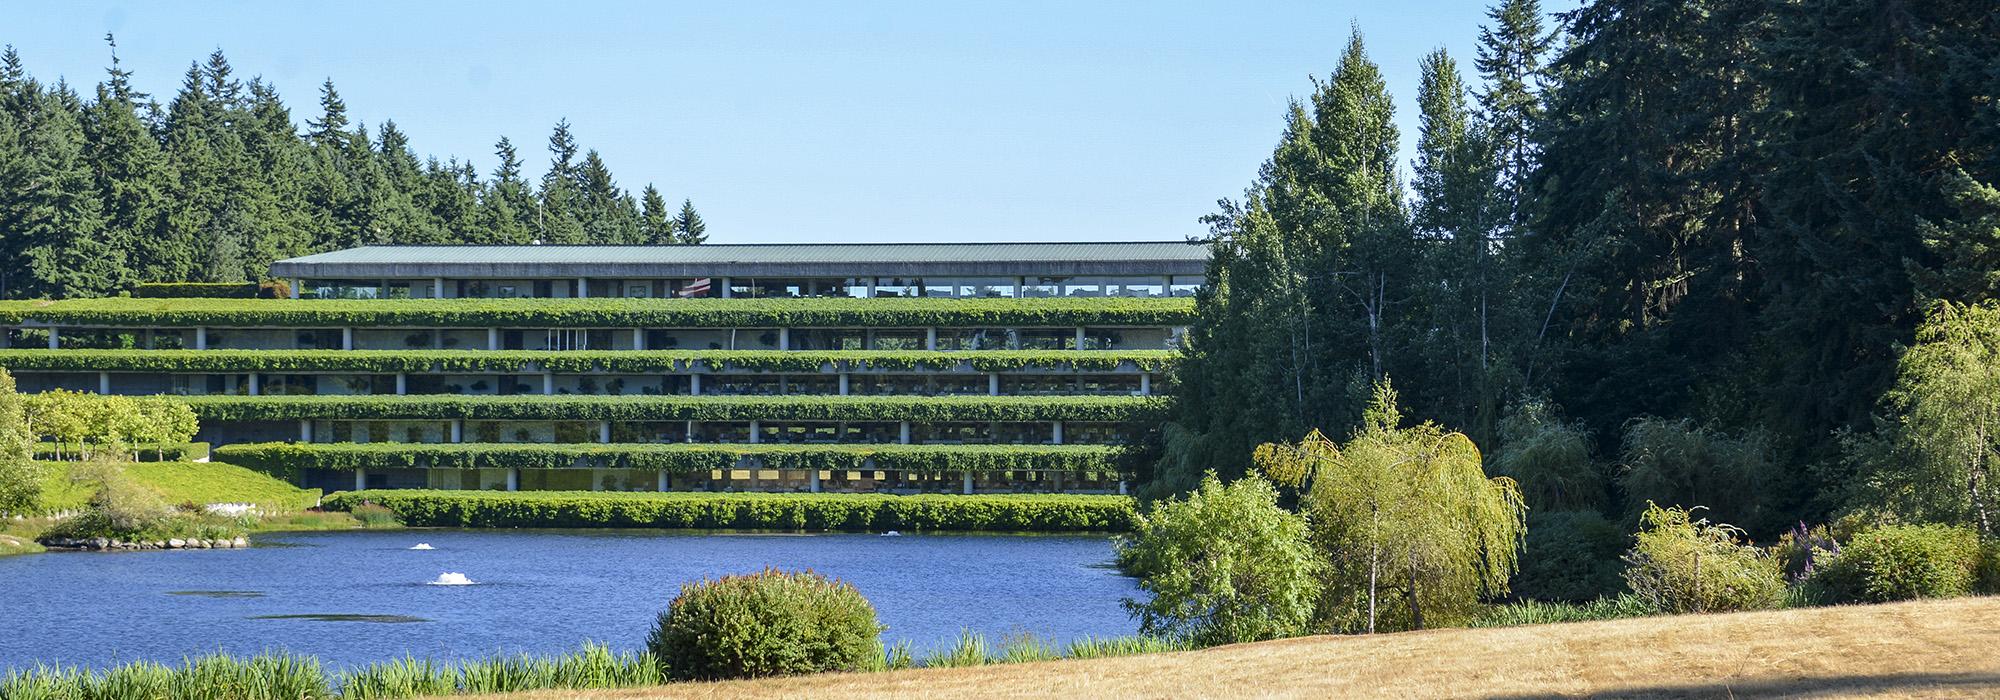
130	172
555	219
506	205
688	228
1512	53
656	227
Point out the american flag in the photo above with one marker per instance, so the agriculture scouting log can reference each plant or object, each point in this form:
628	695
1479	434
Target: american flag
696	288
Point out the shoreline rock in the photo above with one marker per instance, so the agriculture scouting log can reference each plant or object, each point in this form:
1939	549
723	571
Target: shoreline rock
101	544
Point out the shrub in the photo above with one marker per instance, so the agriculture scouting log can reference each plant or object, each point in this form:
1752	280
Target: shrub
785	511
1685	565
374	516
1224	565
1537	612
1680	464
1570	556
1988	581
770	623
1901	562
1802	551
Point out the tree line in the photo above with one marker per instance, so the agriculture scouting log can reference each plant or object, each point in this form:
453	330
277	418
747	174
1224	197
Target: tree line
1647	251
101	192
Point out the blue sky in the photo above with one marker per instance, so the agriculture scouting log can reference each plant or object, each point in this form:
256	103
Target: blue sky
809	121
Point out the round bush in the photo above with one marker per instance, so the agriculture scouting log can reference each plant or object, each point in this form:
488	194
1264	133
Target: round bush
770	623
1901	562
1571	557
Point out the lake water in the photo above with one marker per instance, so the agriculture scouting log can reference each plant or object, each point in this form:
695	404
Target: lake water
356	597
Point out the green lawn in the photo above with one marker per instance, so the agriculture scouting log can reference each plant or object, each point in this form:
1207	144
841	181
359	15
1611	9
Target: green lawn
181	482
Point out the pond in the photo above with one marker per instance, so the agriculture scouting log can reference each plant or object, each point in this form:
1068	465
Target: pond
352	598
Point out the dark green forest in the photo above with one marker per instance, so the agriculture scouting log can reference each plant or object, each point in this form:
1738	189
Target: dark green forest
102	191
1647	250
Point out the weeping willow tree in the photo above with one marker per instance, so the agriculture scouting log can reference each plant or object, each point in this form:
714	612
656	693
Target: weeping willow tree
1416	532
1933	461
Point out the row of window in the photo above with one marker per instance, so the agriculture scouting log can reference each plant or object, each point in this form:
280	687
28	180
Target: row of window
640	432
758	287
860	384
770	480
946	339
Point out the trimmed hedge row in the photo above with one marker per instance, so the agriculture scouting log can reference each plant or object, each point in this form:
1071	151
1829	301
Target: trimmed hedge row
786	511
575	361
601	313
196	290
287	457
923	409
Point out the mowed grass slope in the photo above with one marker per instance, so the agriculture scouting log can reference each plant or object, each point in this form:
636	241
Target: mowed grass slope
1941	648
186	482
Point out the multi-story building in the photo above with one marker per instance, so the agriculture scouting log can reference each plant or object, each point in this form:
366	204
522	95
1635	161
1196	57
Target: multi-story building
854	367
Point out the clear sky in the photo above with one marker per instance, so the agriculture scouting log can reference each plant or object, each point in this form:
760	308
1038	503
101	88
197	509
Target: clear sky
809	121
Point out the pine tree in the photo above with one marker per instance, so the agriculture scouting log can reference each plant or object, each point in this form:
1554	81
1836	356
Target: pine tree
1511	56
605	212
689	230
555	219
130	172
69	253
655	225
506	206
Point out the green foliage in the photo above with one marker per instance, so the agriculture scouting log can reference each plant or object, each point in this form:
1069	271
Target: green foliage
770	623
970	649
788	511
1535	612
601	313
289	458
196	290
1570	557
1676	463
1933	460
122	508
284	676
1101	648
1550	459
1683	565
21	477
1225	565
82	423
1407	517
577	361
919	409
1901	562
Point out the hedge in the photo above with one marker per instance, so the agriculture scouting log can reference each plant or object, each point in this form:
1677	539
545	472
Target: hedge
286	458
922	409
574	361
602	313
787	511
196	290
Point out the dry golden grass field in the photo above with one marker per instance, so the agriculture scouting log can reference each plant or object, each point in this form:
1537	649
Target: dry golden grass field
1927	649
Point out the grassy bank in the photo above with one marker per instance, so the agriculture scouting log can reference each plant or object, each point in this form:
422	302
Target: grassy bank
1937	648
781	511
183	482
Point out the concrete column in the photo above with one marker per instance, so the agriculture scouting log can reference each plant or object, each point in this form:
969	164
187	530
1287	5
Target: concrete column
582	288
514	479
305	430
256	384
1057	433
548	383
903	430
104	383
437	338
493	339
638	339
1121	487
694	385
968	483
437	287
55	338
756	432
784	339
1145	384
664	483
7	341
296	283
870	287
812	479
1079	337
347	338
930	339
992	384
360	479
725	288
604	431
200	338
457	430
843	383
402	383
359	431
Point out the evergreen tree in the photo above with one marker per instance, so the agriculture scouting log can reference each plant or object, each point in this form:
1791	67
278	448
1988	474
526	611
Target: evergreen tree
506	207
555	219
130	172
606	214
1511	55
656	227
688	228
60	217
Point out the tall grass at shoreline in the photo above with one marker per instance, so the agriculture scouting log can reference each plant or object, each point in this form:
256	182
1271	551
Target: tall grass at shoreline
285	676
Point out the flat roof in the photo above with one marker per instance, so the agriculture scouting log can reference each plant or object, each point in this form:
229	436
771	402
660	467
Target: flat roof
752	260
